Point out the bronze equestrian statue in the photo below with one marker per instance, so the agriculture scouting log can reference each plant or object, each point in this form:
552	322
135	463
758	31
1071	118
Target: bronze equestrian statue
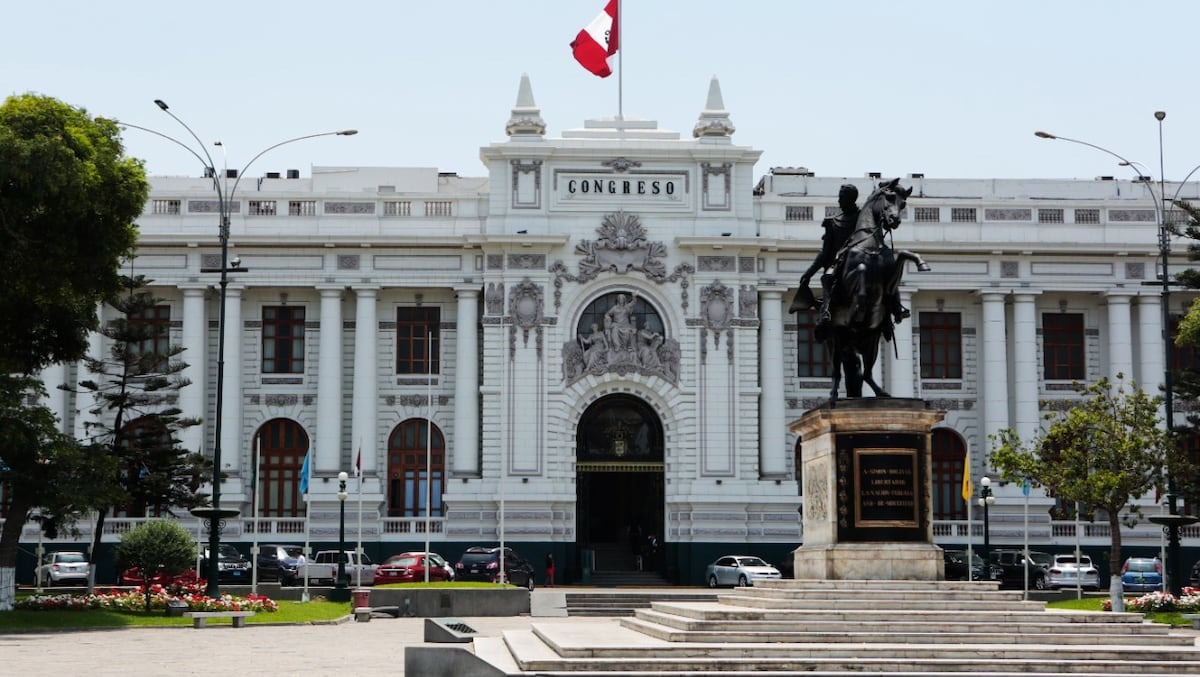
860	303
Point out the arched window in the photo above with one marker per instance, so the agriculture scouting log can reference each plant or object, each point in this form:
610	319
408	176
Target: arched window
140	440
408	475
642	315
948	457
281	456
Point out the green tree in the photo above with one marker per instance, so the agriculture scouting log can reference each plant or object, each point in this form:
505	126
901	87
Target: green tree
68	199
136	418
1185	382
158	546
1103	452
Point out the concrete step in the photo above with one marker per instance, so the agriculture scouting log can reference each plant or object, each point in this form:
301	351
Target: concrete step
731	613
878	603
871	584
623	603
875	594
723	633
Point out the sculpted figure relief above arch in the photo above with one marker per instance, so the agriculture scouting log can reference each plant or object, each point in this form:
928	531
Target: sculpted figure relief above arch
620	333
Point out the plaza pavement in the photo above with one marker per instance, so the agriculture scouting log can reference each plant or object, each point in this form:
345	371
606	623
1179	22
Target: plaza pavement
344	648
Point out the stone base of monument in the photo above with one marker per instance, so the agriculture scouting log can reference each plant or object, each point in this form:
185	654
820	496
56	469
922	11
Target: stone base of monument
867	494
870	561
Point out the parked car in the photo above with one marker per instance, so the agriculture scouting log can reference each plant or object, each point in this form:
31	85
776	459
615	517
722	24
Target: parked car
1194	578
1012	567
739	570
232	567
278	562
1141	574
64	568
133	576
325	566
409	567
480	563
1066	572
956	567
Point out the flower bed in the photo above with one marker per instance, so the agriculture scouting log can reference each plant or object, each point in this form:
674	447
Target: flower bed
1161	601
135	600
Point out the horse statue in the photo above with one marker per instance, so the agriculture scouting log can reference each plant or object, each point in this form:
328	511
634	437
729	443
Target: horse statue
864	304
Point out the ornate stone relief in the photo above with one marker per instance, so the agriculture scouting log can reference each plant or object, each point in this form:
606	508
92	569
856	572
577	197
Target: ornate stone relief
621	247
621	165
816	492
347	261
526	261
495	262
747	301
621	348
525	303
493	298
716	312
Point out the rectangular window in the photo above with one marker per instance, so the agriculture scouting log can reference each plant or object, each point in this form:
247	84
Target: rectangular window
153	325
1183	358
811	360
963	215
166	206
1050	216
1089	216
262	208
941	345
1063	346
798	213
927	214
283	340
414	329
397	208
302	208
438	208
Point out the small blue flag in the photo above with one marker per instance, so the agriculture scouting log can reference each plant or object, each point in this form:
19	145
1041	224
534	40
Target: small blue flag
1025	486
304	473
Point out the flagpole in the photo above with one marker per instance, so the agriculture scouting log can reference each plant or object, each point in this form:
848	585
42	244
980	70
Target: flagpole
255	493
358	546
428	444
306	554
620	63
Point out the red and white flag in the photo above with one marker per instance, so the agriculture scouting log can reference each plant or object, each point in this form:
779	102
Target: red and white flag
598	41
358	463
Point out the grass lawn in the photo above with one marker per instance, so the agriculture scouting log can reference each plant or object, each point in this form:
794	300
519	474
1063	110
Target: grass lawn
464	585
289	612
1093	604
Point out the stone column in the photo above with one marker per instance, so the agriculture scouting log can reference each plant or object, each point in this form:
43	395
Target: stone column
364	425
231	403
55	400
86	402
1027	376
772	452
994	347
329	382
1120	335
466	384
194	398
900	382
1151	367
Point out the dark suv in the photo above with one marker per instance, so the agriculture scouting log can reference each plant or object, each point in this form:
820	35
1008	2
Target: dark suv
278	562
232	567
483	564
1012	563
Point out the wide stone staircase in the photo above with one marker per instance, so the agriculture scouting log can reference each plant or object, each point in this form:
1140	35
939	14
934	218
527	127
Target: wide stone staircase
826	628
624	602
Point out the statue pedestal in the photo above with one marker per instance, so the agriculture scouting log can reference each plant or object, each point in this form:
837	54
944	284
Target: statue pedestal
867	491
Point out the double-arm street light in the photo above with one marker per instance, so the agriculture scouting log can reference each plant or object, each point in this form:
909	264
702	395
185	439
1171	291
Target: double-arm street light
215	514
1172	522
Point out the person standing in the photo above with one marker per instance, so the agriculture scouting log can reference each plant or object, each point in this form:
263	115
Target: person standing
550	569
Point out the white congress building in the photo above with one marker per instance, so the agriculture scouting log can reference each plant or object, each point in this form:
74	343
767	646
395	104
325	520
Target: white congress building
596	331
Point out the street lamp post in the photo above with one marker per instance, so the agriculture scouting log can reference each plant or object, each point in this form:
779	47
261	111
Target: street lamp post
341	591
1172	522
215	514
985	501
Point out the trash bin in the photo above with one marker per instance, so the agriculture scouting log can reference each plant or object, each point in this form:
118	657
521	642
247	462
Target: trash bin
360	597
176	608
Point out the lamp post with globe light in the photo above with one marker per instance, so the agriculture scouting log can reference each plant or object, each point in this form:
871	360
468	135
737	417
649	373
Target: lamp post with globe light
215	514
986	500
1172	522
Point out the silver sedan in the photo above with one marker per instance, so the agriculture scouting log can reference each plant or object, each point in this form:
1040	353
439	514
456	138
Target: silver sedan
740	570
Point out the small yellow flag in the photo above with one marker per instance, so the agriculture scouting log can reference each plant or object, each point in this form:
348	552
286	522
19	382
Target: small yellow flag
968	489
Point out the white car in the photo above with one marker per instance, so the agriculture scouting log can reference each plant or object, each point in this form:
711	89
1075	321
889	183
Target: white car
64	568
741	570
1064	572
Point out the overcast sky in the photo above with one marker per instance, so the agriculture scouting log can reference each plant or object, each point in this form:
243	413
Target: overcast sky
843	87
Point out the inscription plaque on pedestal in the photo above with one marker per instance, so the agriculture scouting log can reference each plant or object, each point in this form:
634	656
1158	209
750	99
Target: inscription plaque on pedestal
880	479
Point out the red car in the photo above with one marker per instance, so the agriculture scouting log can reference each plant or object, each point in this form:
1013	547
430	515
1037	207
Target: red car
409	567
133	576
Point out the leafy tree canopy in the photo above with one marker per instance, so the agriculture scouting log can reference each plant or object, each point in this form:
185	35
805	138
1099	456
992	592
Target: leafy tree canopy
68	198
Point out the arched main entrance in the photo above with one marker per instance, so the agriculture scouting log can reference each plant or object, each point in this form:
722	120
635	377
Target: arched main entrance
619	459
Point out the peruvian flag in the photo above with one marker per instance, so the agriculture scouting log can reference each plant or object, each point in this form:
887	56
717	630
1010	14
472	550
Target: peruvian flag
598	41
